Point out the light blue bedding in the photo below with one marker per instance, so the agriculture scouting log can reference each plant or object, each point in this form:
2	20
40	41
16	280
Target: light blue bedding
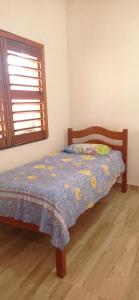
54	191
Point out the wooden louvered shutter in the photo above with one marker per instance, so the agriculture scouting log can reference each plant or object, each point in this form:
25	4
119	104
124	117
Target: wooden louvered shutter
2	118
2	110
25	101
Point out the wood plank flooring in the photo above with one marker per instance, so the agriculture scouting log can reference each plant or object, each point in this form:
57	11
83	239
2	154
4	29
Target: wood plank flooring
102	258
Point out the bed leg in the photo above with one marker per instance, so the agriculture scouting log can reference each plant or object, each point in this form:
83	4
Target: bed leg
124	182
60	262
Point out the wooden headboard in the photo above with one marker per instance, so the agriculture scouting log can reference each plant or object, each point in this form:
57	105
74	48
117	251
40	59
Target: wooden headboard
113	135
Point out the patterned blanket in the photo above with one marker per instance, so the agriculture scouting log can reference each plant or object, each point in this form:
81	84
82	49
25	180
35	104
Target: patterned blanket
54	191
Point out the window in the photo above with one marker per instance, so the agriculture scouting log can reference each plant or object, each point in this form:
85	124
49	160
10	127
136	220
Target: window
23	111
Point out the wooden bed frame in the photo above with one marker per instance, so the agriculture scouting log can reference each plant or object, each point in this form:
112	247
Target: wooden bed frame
113	135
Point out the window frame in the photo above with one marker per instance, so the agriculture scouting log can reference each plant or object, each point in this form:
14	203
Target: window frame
9	139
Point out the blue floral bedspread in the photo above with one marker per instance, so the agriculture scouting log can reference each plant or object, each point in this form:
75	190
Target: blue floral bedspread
54	191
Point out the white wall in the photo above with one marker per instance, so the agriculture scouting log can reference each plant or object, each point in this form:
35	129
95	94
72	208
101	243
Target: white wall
104	68
45	22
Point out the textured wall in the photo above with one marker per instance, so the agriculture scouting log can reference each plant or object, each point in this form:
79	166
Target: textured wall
103	39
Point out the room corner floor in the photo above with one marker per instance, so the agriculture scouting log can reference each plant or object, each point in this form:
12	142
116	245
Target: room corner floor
102	258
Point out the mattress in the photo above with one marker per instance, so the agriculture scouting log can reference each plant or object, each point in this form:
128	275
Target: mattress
54	191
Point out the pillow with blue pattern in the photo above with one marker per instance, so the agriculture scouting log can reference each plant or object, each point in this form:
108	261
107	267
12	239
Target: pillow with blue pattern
90	149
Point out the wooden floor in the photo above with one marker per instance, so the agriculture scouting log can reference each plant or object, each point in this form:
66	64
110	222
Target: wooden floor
103	256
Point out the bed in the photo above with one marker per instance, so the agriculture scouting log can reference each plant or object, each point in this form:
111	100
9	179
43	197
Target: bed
49	195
